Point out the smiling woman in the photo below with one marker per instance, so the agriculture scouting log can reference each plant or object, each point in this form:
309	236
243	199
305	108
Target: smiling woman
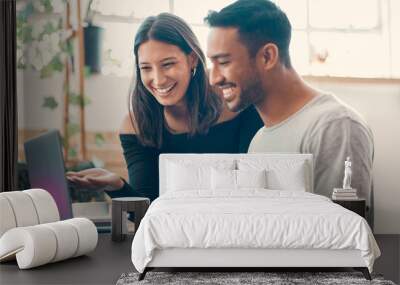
165	74
168	56
172	110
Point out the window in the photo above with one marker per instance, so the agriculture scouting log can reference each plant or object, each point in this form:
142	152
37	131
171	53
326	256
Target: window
358	38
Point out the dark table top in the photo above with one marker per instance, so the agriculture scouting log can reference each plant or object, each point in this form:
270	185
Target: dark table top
104	265
110	259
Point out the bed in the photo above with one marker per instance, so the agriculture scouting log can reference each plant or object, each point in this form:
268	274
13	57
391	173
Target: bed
247	210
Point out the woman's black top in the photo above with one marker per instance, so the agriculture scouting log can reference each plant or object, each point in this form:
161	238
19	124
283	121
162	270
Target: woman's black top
233	136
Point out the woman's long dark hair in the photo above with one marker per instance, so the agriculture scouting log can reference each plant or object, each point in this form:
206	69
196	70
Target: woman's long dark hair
204	107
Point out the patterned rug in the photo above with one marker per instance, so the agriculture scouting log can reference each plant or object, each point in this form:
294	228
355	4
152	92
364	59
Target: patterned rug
243	278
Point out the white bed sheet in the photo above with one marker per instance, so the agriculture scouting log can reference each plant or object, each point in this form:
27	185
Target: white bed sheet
252	218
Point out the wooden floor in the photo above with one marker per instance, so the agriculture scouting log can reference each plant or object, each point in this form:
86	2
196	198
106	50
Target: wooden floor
110	260
389	262
102	266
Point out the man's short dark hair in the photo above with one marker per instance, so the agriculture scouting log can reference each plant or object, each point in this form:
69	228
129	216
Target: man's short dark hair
259	22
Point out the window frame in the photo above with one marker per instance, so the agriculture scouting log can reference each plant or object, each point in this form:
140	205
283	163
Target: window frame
383	15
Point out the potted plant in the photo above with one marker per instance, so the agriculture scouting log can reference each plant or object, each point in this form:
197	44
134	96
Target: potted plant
93	36
45	44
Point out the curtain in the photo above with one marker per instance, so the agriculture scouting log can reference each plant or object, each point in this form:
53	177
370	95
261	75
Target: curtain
8	97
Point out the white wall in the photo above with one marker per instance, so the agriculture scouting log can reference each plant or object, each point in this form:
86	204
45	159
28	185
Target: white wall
108	96
35	116
378	101
109	102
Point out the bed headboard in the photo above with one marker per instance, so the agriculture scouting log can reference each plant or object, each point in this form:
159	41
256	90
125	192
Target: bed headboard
269	158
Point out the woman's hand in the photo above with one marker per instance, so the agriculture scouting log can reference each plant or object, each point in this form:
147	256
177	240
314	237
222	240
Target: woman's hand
96	178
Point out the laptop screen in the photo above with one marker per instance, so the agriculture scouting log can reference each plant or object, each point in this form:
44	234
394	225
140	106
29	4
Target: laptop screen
47	171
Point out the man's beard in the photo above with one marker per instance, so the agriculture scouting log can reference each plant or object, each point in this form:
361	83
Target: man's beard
250	95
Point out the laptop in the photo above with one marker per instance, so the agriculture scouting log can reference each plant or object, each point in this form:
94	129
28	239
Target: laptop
46	170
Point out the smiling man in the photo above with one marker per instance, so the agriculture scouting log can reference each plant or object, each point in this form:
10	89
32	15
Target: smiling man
248	46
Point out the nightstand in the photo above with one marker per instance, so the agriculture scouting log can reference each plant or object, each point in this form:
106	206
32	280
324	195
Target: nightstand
358	206
120	207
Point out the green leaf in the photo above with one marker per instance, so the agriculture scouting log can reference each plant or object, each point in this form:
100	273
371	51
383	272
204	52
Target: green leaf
20	63
67	47
46	71
87	72
73	129
54	65
48	29
47	6
57	64
99	139
25	13
20	23
86	101
50	102
24	34
72	152
21	66
76	99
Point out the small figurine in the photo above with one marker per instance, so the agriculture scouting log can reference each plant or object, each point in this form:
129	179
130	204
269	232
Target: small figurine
347	174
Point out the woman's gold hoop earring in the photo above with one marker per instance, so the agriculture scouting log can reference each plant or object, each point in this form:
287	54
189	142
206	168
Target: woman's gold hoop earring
193	72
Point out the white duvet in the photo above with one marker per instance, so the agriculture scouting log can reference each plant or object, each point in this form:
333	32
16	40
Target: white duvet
250	218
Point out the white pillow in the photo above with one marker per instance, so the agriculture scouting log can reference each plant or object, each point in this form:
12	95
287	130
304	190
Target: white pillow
187	175
251	178
223	179
281	174
292	179
236	179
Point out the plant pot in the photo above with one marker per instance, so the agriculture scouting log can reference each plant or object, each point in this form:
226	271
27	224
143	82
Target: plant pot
93	47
